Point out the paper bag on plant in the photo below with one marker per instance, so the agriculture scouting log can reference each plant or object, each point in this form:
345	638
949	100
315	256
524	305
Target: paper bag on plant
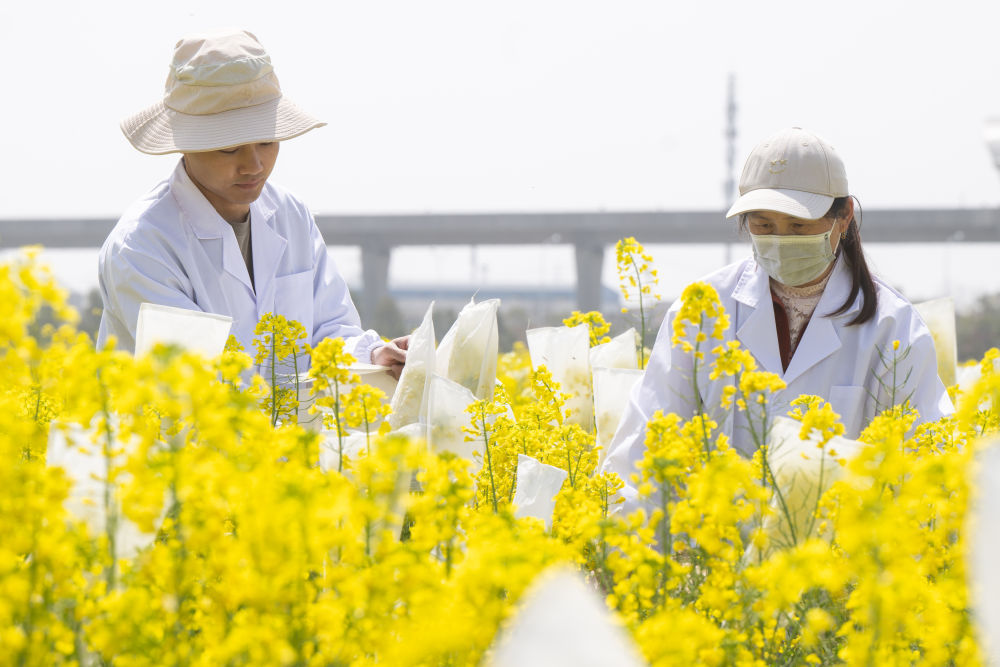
73	448
612	390
537	486
409	401
447	419
939	316
468	352
620	352
803	472
563	622
565	352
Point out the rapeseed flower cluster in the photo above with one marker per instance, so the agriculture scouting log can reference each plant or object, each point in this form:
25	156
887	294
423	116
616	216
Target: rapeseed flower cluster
637	279
278	356
170	509
596	325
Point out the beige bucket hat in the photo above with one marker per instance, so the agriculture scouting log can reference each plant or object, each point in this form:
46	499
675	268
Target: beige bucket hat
221	92
794	172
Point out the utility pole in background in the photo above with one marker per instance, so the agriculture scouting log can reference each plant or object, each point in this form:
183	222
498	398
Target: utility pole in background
729	183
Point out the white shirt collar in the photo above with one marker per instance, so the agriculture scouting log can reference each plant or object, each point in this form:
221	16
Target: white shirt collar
199	212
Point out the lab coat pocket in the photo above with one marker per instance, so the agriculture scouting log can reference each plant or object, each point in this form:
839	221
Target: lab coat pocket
850	403
293	298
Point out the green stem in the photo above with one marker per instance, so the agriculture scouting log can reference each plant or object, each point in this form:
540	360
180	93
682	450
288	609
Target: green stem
559	406
569	462
368	526
781	501
274	380
368	437
763	483
110	511
757	436
29	626
758	440
38	411
642	313
489	460
699	401
340	431
666	539
295	368
895	364
819	492
448	558
180	560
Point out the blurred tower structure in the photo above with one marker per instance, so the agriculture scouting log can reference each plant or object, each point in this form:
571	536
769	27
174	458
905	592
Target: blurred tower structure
991	134
729	182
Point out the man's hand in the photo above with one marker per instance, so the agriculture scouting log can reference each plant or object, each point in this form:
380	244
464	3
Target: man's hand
393	355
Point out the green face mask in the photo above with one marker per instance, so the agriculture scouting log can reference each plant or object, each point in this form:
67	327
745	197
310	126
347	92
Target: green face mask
793	260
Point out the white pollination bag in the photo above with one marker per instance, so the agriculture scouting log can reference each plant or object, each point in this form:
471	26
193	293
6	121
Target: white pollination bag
622	351
446	418
73	448
612	389
332	457
803	473
357	444
192	330
939	316
468	352
982	526
565	352
562	621
537	486
409	402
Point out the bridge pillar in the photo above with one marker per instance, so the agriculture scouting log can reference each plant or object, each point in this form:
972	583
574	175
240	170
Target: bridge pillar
374	278
589	266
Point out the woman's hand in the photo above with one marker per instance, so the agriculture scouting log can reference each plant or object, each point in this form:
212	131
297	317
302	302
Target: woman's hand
393	355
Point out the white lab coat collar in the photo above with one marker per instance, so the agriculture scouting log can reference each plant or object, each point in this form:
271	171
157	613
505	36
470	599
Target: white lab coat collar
758	333
268	246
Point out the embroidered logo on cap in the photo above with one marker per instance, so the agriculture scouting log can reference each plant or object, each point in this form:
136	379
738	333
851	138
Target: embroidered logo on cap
777	166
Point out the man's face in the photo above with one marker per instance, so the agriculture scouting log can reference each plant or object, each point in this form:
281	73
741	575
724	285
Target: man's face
231	179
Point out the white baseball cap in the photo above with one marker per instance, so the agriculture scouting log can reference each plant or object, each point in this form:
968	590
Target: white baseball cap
793	172
221	92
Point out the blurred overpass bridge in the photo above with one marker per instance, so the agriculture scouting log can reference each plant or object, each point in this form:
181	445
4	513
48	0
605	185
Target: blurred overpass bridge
589	234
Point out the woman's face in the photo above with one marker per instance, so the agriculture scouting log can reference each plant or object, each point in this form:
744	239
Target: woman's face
782	224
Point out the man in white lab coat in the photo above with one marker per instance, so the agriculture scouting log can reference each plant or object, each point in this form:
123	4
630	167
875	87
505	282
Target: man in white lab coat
805	306
216	236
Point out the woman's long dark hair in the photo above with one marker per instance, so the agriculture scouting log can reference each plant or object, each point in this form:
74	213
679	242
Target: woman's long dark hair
854	256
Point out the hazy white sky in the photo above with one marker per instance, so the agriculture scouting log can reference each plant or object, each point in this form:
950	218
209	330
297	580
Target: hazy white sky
462	105
519	104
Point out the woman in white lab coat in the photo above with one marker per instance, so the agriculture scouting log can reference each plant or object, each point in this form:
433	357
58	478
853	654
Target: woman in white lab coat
805	305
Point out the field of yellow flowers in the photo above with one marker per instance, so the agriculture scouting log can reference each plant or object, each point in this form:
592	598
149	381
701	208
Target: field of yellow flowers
171	510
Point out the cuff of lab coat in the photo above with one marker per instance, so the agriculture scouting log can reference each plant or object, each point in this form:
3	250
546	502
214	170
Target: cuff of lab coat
361	347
